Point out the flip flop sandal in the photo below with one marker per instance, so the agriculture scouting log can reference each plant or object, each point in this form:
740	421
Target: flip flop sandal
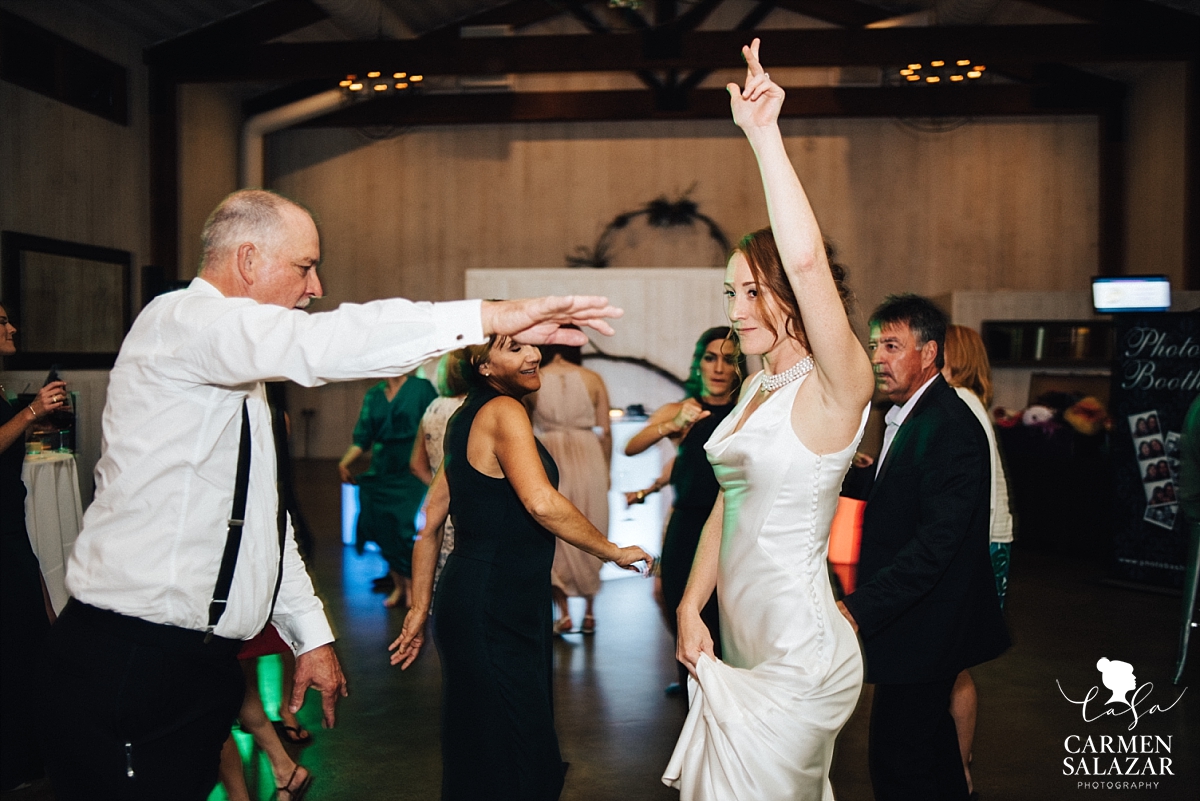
291	734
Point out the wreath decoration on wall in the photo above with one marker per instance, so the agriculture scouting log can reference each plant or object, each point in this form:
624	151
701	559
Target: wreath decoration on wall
659	213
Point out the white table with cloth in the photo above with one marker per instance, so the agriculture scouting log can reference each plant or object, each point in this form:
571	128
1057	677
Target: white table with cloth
53	516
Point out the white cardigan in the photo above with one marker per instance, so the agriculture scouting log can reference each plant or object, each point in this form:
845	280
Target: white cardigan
1001	518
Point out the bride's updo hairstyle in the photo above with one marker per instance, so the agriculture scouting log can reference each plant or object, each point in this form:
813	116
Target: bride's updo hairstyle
767	268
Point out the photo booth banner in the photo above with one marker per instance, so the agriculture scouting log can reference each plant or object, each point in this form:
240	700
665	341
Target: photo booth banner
1156	374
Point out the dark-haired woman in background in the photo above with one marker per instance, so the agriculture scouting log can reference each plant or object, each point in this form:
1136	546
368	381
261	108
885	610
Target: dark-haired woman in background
712	385
570	418
493	623
389	493
25	612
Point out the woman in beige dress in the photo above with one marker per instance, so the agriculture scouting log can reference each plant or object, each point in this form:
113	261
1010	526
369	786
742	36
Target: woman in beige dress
427	449
570	417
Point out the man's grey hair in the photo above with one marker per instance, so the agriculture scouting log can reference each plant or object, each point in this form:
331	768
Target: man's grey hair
248	215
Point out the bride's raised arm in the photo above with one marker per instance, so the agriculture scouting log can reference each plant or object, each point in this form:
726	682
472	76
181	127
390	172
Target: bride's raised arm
842	364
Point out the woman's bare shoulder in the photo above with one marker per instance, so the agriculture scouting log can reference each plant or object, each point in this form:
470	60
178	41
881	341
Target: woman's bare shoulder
502	407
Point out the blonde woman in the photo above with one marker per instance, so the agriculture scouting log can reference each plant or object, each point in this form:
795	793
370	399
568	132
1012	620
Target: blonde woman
967	370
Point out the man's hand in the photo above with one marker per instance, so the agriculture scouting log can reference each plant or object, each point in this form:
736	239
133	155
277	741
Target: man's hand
319	669
846	614
538	321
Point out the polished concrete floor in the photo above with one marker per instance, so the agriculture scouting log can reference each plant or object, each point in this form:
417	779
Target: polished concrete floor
617	728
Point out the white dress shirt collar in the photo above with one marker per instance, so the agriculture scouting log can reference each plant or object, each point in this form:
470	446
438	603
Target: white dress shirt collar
895	418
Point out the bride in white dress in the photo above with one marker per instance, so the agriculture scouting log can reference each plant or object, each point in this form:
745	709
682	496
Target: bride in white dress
762	722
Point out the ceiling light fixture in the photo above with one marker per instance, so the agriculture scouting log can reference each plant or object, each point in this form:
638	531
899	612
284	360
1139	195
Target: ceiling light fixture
939	71
377	84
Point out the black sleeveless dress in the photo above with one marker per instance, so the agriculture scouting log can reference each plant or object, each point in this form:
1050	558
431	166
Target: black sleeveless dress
23	623
493	632
696	491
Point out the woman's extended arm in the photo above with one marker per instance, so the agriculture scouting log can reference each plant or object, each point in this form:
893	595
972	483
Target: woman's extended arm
672	420
428	545
50	397
847	375
505	428
418	462
694	637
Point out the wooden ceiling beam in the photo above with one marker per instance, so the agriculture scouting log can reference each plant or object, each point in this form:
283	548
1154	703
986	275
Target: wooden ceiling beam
989	44
253	26
518	14
847	13
1125	14
916	102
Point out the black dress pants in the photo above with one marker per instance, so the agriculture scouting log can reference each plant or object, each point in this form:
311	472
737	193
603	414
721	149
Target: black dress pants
133	709
23	628
913	748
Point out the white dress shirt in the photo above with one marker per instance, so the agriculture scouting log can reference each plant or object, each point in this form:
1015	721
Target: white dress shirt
153	537
895	418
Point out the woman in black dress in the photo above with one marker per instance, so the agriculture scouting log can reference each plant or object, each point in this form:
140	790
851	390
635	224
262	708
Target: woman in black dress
25	611
713	382
493	623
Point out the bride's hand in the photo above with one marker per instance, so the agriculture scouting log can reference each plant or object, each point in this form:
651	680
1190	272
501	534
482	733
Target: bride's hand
693	639
757	104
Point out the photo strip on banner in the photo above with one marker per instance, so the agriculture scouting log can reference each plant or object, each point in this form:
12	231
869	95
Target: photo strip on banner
1156	467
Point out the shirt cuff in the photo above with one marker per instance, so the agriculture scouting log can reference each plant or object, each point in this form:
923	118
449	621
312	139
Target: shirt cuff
306	631
461	322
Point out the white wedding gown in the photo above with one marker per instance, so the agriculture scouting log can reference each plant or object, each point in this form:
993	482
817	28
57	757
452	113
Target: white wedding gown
763	721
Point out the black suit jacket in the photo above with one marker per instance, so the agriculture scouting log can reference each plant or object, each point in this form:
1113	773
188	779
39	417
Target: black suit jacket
926	602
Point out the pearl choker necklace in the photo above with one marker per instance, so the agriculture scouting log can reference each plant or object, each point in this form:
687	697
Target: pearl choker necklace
770	383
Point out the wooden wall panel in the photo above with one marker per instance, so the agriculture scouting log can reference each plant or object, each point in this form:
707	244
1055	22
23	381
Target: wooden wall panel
1156	171
994	204
68	174
210	120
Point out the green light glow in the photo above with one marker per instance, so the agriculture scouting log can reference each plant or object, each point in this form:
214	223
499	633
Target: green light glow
255	763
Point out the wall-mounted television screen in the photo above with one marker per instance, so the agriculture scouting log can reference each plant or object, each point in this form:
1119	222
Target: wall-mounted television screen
1131	293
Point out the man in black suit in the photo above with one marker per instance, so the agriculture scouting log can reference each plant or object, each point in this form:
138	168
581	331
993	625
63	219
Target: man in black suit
926	604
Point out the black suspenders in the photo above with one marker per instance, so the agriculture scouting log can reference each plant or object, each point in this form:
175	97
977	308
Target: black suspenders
233	541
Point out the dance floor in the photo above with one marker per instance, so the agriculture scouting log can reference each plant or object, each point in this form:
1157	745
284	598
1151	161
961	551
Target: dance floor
617	728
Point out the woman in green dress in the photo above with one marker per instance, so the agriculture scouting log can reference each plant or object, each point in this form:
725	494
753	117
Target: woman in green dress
389	494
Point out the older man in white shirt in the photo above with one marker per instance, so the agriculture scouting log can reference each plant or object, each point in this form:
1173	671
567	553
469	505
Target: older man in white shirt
140	682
